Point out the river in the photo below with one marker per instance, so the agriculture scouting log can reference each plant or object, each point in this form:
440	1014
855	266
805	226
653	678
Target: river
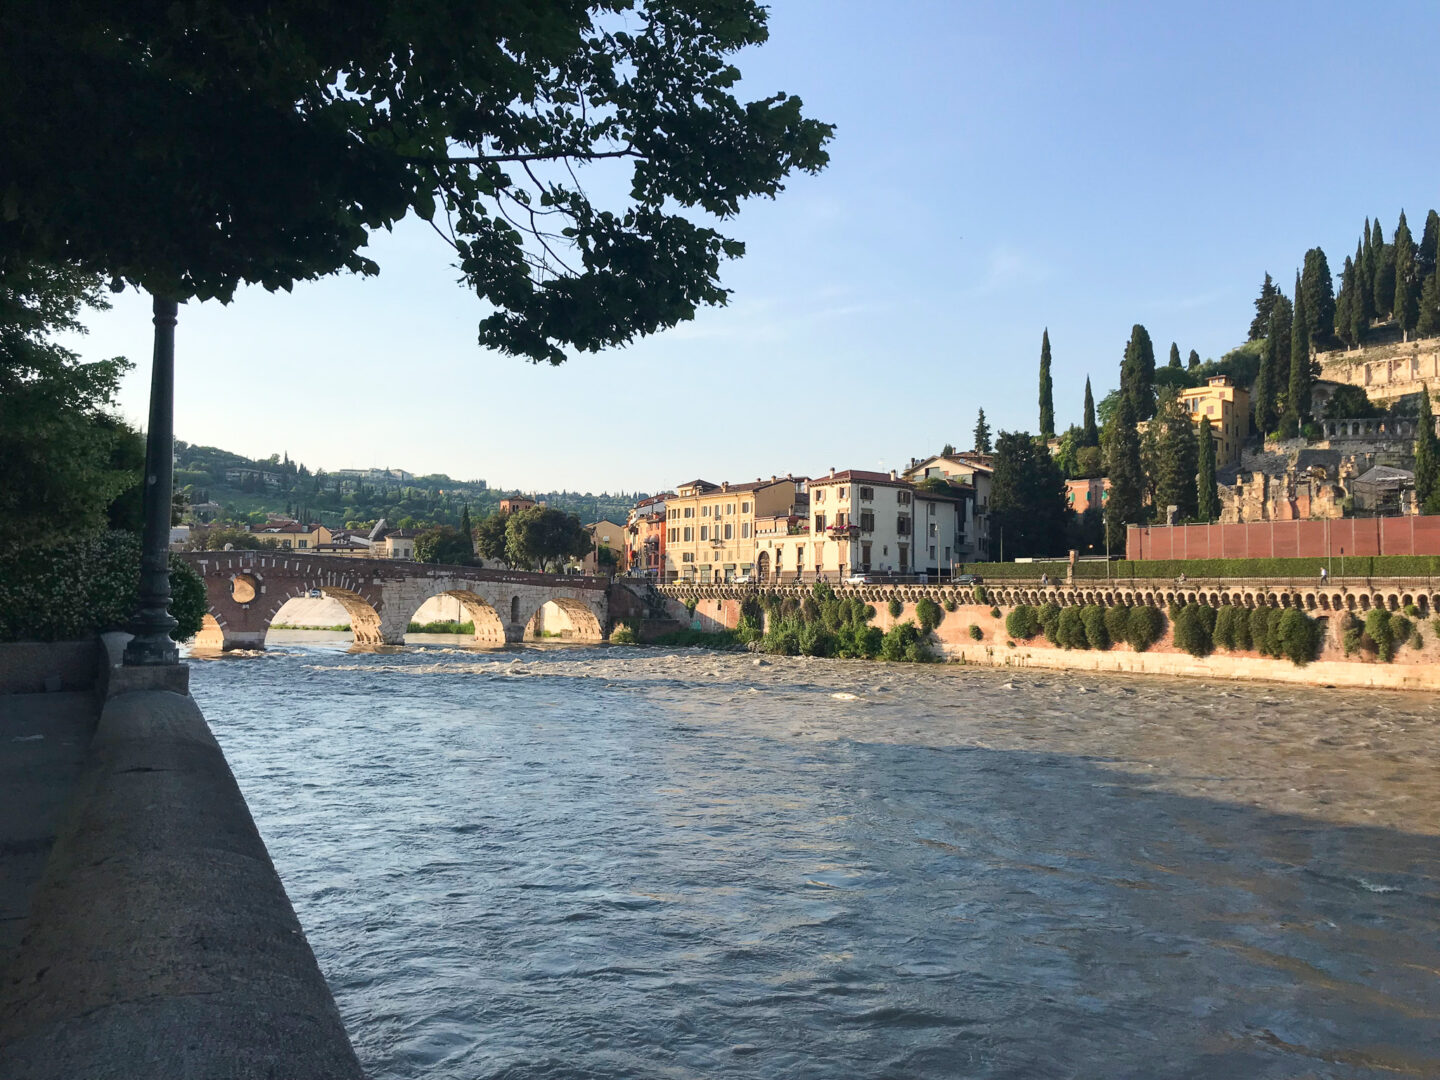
637	863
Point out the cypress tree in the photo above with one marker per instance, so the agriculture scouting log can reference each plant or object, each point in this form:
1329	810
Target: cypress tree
1344	301
1090	434
1428	321
982	434
1137	373
1319	296
1125	503
1364	309
1193	361
1047	389
1425	258
466	530
1427	454
1406	303
1176	461
1384	283
1263	303
1297	398
1262	394
1207	489
1175	356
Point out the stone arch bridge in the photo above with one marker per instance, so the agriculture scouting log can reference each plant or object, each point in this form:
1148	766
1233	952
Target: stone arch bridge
247	588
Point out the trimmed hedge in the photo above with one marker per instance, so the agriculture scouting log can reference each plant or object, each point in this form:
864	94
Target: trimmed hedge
85	585
1169	569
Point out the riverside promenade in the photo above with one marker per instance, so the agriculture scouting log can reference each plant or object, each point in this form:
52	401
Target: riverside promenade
143	929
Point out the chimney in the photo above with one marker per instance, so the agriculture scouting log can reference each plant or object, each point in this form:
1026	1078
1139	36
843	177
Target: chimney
832	472
725	485
892	474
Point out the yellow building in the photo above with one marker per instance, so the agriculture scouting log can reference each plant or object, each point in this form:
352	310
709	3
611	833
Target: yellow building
1228	408
710	528
293	535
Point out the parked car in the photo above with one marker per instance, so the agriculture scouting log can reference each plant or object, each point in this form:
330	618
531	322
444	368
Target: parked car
967	579
741	579
859	579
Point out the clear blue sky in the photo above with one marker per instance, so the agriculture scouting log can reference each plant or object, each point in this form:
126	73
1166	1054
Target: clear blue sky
998	168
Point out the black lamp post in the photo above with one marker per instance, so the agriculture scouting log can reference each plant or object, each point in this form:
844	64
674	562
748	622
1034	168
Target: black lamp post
152	644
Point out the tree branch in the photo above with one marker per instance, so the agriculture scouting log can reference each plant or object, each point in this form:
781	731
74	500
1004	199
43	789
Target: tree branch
557	155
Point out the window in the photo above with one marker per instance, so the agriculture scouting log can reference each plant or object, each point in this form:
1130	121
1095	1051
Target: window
729	531
867	494
934	528
902	525
689	511
304	543
819	494
844	493
932	551
931	507
704	532
947	553
744	508
867	520
819	524
799	559
902	498
729	508
745	531
689	531
285	543
688	556
705	511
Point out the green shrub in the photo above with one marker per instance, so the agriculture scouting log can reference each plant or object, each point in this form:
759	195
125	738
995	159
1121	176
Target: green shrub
1412	611
1191	633
976	634
441	626
698	639
817	640
978	594
690	602
895	607
1435	624
1070	630
1400	628
950	604
1143	627
858	642
1049	616
903	641
1417	641
623	635
1259	620
994	613
1299	636
1351	634
1117	622
783	639
1224	633
78	586
928	614
1022	622
1096	636
1378	630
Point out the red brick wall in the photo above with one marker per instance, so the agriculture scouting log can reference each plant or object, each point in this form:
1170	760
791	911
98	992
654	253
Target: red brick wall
1287	539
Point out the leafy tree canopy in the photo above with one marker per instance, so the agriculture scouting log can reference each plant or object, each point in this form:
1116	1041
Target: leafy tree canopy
1027	497
544	538
188	148
444	544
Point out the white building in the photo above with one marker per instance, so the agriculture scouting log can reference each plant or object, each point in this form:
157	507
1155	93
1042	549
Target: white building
976	471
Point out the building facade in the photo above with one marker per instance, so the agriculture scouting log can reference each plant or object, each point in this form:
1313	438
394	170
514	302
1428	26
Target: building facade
645	536
1228	407
710	529
972	470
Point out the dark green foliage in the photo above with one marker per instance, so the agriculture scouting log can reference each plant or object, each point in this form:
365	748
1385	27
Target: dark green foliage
70	587
491	538
928	614
751	625
1259	628
1427	320
276	141
1090	434
1137	373
895	607
1405	305
1264	303
1070	631
1412	610
1207	489
982	434
1191	633
1176	464
542	537
1047	390
1027	497
1352	634
1192	361
1297	397
698	639
1384	280
904	642
446	626
1023	622
1127	484
1350	402
1400	627
1117	623
978	594
445	544
994	613
976	634
1362	305
1425	256
1345	302
1096	634
1427	454
65	460
1049	618
1319	292
1143	627
1380	633
950	604
1417	641
1175	357
1299	637
1225	628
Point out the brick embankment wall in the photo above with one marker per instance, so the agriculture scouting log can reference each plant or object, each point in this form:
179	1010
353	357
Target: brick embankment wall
1410	669
161	943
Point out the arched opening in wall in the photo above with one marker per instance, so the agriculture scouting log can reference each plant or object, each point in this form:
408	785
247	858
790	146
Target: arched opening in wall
211	637
364	619
514	610
564	619
457	611
762	566
312	616
244	588
1364	602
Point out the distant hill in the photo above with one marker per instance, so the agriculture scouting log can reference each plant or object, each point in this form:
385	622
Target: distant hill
224	486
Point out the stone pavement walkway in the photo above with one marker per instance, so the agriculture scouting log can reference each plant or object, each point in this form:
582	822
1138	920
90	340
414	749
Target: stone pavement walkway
43	739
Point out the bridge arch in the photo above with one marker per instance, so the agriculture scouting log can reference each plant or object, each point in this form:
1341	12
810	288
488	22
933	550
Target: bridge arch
489	629
573	618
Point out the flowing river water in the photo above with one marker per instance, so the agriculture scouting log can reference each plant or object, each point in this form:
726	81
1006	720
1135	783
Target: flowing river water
638	863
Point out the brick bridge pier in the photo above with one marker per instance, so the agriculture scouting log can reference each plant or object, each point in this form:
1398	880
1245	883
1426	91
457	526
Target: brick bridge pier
247	588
